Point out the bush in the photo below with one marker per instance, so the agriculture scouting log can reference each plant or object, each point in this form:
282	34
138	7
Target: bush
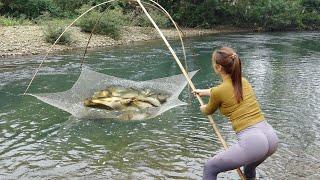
142	20
268	15
52	32
9	21
276	15
200	14
46	18
27	8
310	15
68	8
311	21
110	23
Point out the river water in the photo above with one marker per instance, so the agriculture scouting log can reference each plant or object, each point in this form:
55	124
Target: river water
38	141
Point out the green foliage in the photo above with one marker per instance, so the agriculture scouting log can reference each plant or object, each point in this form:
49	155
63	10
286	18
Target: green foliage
201	13
46	18
70	5
310	14
265	14
204	14
9	21
68	8
110	23
53	31
278	14
311	5
142	20
262	14
27	8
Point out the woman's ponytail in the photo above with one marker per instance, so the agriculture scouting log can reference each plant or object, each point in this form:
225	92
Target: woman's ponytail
236	77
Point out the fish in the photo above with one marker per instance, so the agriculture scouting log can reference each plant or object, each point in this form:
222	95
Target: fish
141	104
131	94
88	103
102	94
117	91
162	98
153	101
115	103
147	92
130	102
132	108
131	115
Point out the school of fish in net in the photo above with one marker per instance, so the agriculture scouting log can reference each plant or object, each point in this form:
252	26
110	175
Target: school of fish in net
131	102
100	96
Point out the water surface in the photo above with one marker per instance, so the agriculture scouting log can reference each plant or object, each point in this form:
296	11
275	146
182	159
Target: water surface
38	141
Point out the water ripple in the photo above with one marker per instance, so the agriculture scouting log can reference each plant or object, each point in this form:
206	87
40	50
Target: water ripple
38	141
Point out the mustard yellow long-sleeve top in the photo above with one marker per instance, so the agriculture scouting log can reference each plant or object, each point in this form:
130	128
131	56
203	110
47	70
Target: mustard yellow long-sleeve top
241	115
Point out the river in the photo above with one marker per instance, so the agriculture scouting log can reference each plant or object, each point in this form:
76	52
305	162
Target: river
38	141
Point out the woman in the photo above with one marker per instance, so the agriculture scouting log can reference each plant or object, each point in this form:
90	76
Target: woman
236	100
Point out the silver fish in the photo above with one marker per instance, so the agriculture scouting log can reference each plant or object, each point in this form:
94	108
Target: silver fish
141	104
151	100
102	94
117	91
131	102
131	115
113	102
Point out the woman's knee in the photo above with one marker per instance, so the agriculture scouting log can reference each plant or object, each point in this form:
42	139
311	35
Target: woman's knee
212	166
220	163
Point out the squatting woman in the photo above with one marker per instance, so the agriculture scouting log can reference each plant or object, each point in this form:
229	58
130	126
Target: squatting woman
235	99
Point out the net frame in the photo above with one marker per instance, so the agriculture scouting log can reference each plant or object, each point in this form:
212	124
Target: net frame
89	82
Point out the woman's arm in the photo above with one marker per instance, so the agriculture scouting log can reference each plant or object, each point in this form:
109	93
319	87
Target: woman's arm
214	102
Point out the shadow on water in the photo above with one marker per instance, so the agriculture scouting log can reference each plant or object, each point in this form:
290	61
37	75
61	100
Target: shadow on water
39	141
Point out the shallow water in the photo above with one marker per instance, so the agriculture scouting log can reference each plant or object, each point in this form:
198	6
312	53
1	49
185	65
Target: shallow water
38	141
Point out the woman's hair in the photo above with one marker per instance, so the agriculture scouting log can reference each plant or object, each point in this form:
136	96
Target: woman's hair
231	64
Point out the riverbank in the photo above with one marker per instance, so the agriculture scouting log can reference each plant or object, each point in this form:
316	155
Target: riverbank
30	40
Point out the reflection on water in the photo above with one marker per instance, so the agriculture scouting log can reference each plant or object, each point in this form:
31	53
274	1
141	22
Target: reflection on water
39	141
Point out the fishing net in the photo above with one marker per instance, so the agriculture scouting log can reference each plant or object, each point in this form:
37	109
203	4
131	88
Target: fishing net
90	82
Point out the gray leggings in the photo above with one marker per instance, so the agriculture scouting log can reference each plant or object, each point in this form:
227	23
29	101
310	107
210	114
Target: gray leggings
255	144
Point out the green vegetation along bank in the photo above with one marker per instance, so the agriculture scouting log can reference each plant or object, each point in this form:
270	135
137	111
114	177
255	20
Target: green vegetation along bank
264	14
30	26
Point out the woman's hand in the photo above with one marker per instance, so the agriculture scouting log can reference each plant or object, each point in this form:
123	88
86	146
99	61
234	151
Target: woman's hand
201	92
202	108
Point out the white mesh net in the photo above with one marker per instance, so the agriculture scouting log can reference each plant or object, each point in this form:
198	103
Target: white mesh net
90	82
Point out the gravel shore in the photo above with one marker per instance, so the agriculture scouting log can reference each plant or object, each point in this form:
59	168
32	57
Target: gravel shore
30	40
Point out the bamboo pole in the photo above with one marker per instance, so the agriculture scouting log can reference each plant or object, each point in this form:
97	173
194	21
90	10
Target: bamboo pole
189	81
